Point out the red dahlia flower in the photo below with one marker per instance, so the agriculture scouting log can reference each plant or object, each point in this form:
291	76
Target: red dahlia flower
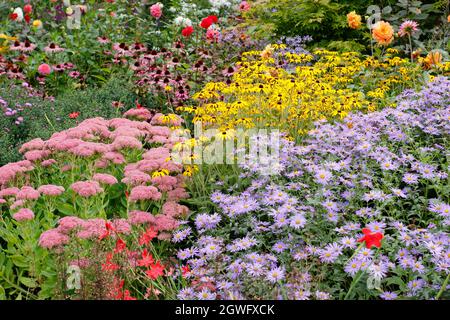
371	238
186	32
207	22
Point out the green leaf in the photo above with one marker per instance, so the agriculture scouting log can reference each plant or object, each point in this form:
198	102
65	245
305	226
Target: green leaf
28	282
20	261
66	209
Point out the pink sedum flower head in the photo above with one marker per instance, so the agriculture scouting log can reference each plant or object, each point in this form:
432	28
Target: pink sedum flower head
23	214
105	178
51	190
27	193
44	69
53	238
86	188
144	193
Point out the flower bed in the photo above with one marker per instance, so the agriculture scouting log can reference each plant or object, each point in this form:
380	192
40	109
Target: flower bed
295	235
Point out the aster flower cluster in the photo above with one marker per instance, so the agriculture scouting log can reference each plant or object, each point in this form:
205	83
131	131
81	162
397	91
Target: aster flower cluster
295	235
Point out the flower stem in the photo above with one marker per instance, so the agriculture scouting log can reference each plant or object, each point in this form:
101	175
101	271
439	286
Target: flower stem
444	286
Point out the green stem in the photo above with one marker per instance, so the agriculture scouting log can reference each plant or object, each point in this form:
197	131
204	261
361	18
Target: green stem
354	282
444	286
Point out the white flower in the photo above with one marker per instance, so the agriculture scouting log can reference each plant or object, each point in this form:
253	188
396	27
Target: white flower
19	13
183	22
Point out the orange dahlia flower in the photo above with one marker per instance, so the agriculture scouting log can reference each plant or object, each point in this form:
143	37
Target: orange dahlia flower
354	20
383	33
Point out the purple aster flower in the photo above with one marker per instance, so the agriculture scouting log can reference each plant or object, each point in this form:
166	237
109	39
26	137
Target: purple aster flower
181	235
353	266
323	177
186	294
302	294
321	295
206	294
399	193
297	221
410	178
416	285
275	274
279	247
375	226
255	269
388	295
348	242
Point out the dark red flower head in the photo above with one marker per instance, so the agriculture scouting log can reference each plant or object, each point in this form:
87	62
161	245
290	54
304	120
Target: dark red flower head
371	238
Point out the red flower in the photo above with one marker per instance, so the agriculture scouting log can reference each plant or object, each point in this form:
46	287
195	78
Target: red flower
74	115
206	22
109	227
138	105
109	265
214	19
27	8
27	18
371	238
186	32
148	236
147	259
127	296
155	271
13	16
120	246
185	270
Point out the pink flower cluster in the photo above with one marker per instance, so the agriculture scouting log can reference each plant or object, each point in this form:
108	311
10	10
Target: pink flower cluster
103	147
86	188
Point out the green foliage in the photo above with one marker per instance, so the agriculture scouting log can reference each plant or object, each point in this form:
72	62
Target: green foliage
44	117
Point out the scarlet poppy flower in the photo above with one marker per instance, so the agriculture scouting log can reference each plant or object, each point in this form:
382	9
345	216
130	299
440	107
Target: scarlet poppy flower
155	271
186	32
74	115
13	16
147	259
27	18
371	238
